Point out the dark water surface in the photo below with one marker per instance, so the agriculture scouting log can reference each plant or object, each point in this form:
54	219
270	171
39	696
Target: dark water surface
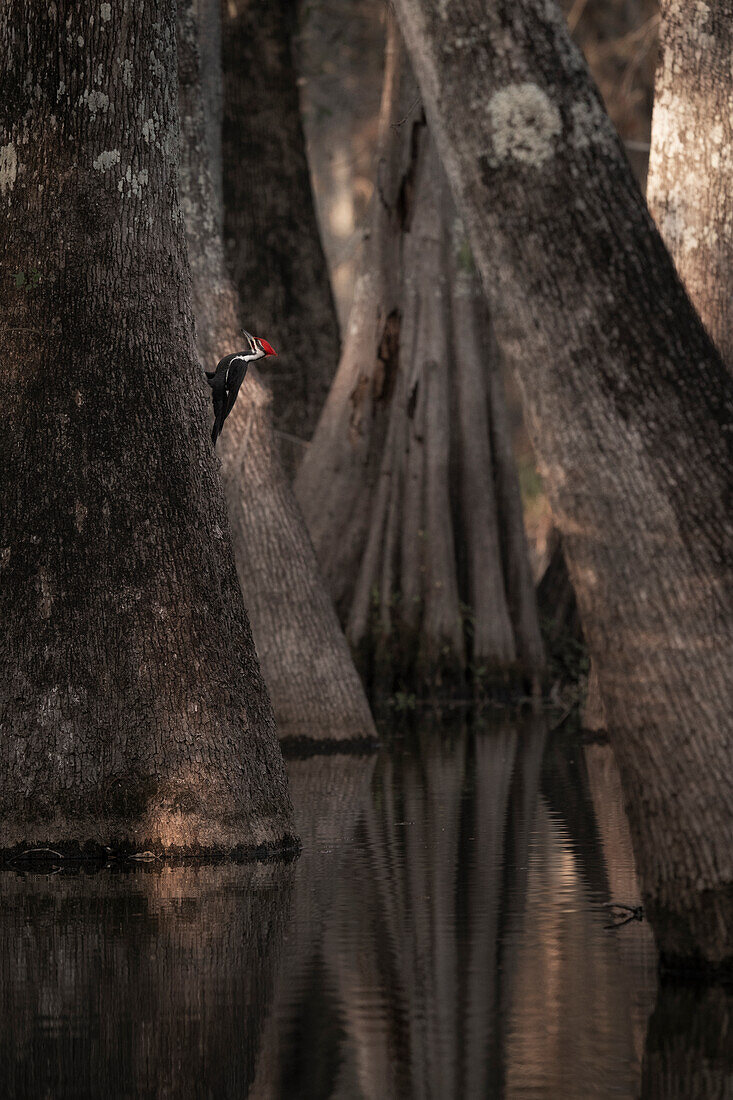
443	934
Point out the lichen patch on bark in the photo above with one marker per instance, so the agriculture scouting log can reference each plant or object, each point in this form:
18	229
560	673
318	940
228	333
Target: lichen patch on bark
8	168
106	159
525	124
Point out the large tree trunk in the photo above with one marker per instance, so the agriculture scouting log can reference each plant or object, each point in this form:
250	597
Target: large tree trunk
409	486
631	409
132	707
691	160
273	246
315	689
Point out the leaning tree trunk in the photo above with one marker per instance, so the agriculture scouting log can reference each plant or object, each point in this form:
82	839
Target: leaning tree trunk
631	409
131	703
691	160
273	245
409	487
315	689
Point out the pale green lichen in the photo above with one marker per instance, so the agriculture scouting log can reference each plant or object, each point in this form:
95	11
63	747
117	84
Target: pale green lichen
106	159
106	12
95	101
525	123
132	183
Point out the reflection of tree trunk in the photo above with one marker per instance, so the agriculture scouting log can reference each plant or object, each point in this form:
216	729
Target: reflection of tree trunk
328	795
138	984
497	757
520	822
315	690
273	245
409	487
630	407
421	997
689	1053
634	943
131	703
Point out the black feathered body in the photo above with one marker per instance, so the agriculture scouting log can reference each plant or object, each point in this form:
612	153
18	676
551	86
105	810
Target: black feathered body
225	382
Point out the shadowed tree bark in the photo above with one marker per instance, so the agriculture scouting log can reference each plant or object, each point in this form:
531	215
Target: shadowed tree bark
273	246
409	487
691	160
315	689
631	409
131	703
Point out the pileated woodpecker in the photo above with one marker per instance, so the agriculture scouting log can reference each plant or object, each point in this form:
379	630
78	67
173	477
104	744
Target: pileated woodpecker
228	377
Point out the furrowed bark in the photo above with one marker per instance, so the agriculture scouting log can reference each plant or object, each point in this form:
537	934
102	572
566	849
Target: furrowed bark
398	478
273	245
691	159
631	409
315	689
131	704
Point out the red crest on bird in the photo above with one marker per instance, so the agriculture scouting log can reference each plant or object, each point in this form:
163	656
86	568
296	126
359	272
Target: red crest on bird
267	348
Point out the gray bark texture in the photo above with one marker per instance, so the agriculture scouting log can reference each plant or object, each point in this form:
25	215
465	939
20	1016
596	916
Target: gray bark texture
689	185
409	487
132	709
631	410
273	245
315	689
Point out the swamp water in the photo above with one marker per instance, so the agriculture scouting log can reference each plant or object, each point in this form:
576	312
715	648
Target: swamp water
443	934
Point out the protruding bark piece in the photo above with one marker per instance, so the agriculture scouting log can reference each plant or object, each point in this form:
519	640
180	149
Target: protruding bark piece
408	486
132	709
273	246
315	689
631	409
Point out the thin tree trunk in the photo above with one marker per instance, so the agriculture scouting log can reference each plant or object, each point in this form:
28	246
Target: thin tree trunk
408	486
691	160
315	689
273	246
131	704
631	409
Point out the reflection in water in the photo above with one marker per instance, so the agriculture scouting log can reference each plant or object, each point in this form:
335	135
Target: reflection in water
144	983
442	935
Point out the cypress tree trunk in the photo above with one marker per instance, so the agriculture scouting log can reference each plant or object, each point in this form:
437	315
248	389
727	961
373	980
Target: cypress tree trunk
691	160
631	409
409	487
131	704
273	245
315	689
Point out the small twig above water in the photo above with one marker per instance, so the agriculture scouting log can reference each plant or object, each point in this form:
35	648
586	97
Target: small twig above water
623	914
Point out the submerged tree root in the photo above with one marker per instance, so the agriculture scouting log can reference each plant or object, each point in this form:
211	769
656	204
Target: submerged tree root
73	854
